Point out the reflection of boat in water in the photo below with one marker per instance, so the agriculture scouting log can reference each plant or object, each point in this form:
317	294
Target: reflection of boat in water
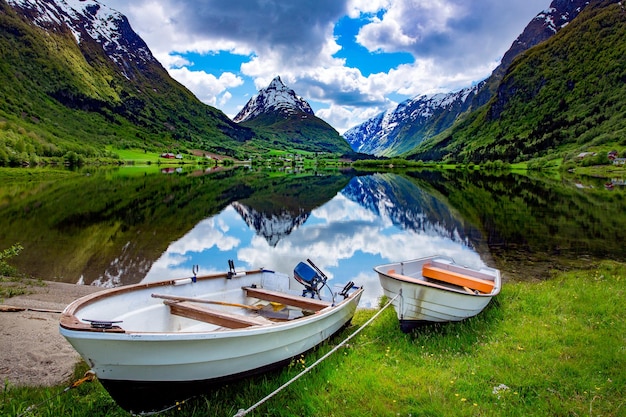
156	343
435	289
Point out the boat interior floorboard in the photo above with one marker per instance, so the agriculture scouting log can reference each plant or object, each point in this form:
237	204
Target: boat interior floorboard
213	316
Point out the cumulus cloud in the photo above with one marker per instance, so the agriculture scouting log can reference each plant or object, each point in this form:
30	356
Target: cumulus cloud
206	86
452	32
454	43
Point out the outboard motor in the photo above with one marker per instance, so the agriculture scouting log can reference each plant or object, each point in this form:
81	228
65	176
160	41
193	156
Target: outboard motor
309	277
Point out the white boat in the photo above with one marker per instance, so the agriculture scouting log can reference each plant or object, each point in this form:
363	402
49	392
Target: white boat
153	344
436	289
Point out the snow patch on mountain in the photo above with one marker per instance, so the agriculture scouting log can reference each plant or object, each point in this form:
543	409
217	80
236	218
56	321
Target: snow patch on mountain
273	227
376	135
83	18
276	97
558	15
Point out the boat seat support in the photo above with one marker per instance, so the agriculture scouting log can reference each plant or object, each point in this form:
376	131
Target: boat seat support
304	303
213	316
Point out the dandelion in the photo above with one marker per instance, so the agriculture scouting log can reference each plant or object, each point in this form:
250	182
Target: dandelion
463	399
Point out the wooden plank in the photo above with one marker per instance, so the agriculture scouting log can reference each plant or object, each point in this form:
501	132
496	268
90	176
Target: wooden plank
461	270
304	303
217	317
205	301
457	278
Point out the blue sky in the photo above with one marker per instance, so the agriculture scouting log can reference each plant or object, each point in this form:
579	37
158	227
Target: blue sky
350	59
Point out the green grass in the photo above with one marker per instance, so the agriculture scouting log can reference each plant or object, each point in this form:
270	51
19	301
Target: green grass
554	347
137	155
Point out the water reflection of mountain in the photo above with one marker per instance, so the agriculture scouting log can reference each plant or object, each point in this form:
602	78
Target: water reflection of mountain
409	207
534	223
110	226
272	226
279	206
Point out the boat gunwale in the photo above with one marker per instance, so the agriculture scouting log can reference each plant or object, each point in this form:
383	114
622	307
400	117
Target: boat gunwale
277	327
70	323
416	281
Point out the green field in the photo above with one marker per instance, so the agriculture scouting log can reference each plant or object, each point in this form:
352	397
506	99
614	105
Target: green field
547	348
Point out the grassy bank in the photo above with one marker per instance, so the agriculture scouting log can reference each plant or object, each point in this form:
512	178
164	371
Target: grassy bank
554	348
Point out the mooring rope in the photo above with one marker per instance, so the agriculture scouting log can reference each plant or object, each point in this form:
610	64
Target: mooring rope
89	376
243	412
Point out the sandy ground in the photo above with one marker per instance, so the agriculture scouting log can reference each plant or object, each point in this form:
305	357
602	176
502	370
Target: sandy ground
32	352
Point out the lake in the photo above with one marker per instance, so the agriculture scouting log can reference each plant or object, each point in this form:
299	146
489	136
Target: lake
111	227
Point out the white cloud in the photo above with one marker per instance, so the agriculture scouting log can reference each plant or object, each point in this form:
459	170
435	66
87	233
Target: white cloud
454	43
356	8
406	24
205	86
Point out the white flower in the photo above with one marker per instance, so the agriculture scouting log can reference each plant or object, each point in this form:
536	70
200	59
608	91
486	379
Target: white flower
500	388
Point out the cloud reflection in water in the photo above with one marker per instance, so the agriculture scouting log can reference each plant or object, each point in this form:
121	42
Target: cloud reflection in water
345	237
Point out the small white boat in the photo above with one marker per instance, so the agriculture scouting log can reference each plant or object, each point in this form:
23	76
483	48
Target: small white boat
435	289
153	344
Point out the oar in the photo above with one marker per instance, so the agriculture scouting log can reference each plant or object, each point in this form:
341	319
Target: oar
202	300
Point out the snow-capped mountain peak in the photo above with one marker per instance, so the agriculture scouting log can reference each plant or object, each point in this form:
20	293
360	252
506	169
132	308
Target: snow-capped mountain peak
276	97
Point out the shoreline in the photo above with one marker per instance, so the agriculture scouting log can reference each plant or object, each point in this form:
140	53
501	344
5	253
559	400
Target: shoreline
32	351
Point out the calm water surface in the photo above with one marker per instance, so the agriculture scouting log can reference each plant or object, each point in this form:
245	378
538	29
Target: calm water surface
111	228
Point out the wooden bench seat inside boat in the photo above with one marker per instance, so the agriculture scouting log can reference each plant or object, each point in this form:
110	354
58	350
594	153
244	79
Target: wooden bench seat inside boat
457	278
213	316
304	303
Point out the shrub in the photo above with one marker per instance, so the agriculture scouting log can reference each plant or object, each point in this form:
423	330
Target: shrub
6	269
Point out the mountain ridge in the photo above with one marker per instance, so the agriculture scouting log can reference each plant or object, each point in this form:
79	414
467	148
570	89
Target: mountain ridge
60	96
395	131
283	118
409	132
76	79
558	99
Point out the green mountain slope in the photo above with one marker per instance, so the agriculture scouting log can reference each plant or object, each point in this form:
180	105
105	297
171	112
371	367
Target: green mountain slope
301	131
57	97
559	98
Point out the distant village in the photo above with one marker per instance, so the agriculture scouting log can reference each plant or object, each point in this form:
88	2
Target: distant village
612	156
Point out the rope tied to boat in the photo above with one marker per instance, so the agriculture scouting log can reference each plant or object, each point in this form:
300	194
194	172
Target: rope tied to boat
89	376
243	412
